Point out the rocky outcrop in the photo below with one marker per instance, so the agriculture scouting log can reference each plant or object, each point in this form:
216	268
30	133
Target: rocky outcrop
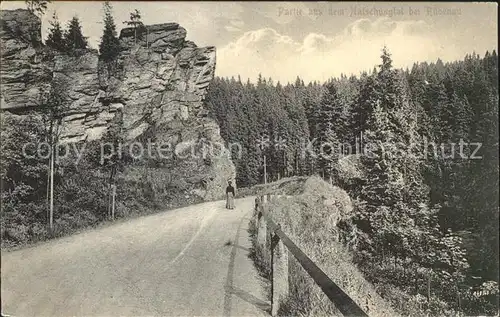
24	73
157	86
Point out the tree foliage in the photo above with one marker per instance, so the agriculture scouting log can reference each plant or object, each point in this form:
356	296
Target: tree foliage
73	36
37	6
425	203
55	38
136	23
110	45
66	41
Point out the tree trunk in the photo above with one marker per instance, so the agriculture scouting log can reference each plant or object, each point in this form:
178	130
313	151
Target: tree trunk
296	164
53	146
265	171
47	198
429	290
108	206
49	139
51	207
113	202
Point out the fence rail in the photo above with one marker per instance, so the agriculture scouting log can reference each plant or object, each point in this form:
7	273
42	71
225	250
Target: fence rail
280	244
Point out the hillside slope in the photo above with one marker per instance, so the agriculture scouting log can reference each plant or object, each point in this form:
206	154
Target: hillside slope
310	219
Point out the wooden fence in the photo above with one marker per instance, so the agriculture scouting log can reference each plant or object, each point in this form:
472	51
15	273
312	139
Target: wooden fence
281	246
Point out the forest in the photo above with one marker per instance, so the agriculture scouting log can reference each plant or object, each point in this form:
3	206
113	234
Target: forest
426	193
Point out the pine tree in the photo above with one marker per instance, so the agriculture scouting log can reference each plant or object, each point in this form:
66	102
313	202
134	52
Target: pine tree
292	100
298	82
135	22
55	38
420	88
396	214
348	90
363	107
110	45
325	120
74	37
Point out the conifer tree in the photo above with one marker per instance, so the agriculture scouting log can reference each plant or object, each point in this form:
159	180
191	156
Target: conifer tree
110	45
326	119
364	105
396	198
135	22
55	38
74	37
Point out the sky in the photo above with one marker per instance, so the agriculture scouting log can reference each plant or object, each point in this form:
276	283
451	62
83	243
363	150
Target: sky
315	40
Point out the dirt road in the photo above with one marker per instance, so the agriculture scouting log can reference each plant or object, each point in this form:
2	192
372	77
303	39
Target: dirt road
185	262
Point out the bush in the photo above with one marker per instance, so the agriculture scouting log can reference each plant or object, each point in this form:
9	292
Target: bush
81	192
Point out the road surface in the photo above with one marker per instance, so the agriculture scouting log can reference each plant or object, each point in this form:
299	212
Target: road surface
185	262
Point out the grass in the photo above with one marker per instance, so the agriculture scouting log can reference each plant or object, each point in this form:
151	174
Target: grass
260	257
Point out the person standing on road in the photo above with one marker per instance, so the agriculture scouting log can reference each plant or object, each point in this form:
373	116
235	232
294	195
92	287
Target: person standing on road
229	196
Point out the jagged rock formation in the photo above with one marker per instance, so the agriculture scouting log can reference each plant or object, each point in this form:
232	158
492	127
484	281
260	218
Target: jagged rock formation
157	86
24	76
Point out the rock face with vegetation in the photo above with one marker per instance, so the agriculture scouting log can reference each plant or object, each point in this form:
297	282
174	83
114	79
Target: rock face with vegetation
23	74
150	96
157	86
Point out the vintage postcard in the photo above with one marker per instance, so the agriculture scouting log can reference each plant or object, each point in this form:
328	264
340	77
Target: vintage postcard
163	158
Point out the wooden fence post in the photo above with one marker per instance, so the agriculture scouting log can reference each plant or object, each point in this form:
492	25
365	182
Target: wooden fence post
257	206
256	211
261	231
279	273
277	248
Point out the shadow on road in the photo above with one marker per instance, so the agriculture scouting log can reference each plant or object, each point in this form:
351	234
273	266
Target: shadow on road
249	298
240	247
230	289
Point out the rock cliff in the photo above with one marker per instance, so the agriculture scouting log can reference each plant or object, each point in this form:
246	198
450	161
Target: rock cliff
156	86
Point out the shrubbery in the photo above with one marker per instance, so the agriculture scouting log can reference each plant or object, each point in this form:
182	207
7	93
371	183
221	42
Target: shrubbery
81	191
